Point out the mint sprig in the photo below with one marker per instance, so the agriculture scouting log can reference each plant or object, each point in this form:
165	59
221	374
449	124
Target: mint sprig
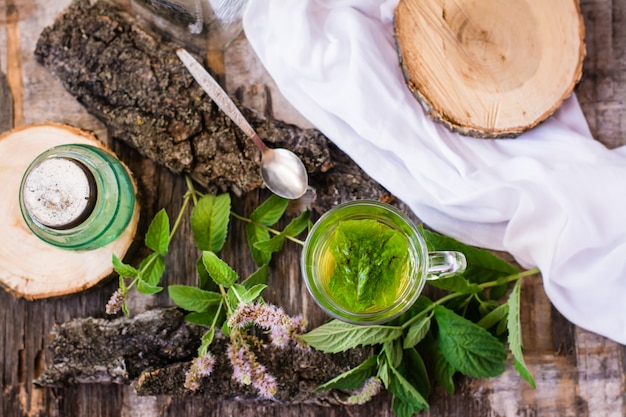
461	332
457	333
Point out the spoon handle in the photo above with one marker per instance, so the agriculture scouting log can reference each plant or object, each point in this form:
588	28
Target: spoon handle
218	95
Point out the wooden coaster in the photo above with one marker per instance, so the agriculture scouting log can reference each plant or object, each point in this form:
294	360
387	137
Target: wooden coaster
490	68
29	267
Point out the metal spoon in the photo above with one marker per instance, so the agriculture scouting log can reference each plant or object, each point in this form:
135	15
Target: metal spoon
282	171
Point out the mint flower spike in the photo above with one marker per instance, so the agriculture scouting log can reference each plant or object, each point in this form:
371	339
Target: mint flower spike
370	388
247	370
282	327
115	302
202	366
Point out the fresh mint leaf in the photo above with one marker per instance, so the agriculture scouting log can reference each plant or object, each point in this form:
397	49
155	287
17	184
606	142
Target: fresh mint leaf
208	317
260	276
203	319
515	334
205	282
370	262
270	211
337	336
293	229
234	299
393	351
401	388
455	283
442	370
152	268
404	409
275	244
482	265
251	294
494	316
219	270
468	347
383	370
297	225
193	298
124	270
209	221
414	370
352	379
420	305
417	331
158	234
122	285
255	234
147	289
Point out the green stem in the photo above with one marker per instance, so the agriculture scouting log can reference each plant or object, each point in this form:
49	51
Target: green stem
179	218
219	310
454	295
191	190
269	229
223	292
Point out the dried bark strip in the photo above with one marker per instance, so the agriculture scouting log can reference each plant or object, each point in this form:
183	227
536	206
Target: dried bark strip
153	351
132	80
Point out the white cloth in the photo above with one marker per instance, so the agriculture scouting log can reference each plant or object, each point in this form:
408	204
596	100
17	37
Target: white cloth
554	197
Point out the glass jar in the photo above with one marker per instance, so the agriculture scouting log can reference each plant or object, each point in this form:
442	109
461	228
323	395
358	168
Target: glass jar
77	197
205	25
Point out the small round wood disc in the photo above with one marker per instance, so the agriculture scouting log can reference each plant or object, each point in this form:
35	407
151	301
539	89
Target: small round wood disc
29	267
490	68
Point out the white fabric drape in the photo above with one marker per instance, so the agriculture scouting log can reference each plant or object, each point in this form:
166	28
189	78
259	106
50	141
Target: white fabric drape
554	197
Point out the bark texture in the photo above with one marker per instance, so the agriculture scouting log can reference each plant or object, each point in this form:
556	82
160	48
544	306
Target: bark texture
132	80
153	350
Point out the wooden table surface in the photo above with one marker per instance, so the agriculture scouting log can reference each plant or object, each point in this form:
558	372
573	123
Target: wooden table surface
577	373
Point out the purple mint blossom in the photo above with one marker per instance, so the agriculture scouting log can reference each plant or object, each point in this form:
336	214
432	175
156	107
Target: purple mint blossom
201	366
282	327
238	357
265	383
205	364
247	370
115	302
264	315
279	335
370	388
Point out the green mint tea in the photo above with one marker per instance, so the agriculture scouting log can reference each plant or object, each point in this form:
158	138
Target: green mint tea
364	261
365	265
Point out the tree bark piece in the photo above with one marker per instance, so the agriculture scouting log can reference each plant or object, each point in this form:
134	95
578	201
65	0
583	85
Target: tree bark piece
490	68
133	81
153	350
29	267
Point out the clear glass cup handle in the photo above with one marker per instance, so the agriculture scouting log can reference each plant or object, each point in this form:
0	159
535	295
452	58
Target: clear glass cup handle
445	264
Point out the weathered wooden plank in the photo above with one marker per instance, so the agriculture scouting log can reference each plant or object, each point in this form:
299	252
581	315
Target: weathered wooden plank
6	105
578	373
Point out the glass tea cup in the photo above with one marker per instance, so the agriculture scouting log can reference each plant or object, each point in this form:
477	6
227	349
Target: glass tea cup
365	262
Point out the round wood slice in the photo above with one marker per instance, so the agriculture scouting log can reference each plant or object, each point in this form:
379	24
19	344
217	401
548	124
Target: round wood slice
29	267
490	68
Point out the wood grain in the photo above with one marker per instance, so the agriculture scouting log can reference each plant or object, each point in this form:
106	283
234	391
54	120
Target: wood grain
65	271
578	373
493	68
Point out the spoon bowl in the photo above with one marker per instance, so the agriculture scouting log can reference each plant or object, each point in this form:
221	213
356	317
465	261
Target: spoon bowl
281	170
283	173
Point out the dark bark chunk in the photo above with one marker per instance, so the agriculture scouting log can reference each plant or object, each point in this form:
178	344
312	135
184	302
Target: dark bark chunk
132	80
153	351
